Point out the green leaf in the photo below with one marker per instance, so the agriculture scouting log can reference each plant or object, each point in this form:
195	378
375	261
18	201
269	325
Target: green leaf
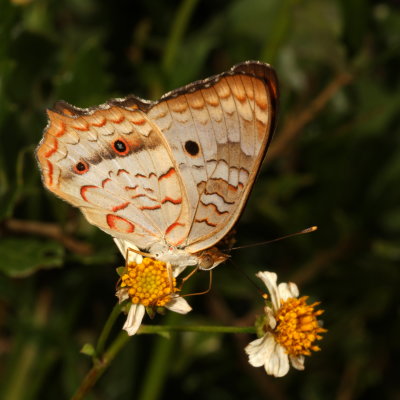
23	257
121	271
88	349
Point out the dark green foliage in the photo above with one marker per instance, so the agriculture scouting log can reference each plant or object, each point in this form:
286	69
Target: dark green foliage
340	170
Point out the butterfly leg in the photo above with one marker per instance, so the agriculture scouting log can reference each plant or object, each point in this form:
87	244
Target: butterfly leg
209	284
137	252
199	293
189	276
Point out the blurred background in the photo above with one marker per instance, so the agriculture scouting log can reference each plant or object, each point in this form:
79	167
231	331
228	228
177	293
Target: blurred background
334	162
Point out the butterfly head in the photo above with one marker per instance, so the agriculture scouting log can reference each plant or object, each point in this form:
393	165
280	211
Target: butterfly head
210	258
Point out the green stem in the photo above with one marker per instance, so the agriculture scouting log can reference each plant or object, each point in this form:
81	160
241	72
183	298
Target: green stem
100	365
158	365
178	28
103	361
151	329
107	329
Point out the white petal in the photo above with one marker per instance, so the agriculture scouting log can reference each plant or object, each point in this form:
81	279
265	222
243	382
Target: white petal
179	305
259	349
134	318
297	362
123	246
277	364
177	269
269	279
270	317
288	290
122	295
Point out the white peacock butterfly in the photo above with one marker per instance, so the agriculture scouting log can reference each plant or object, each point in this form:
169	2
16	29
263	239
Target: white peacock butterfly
171	176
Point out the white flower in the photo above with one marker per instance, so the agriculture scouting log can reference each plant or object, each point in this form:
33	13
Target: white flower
290	327
140	288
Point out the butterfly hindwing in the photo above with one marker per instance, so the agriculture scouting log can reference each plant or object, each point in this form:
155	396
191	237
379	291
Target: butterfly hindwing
218	130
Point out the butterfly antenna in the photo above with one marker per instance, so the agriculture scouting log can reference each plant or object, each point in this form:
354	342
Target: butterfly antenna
302	232
262	293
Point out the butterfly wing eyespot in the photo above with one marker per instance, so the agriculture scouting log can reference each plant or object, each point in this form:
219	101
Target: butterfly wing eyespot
192	148
81	167
121	147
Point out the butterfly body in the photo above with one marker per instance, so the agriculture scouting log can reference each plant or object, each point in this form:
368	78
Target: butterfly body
170	176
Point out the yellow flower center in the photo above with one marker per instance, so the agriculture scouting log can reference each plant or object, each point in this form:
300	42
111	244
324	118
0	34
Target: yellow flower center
149	283
297	326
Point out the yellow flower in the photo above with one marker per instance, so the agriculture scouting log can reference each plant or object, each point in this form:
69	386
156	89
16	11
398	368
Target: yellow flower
147	283
290	329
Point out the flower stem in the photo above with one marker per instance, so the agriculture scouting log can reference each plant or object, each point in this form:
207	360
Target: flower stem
150	329
104	358
158	366
107	328
100	365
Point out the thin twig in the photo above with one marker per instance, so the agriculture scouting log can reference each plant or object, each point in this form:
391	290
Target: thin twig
295	123
48	230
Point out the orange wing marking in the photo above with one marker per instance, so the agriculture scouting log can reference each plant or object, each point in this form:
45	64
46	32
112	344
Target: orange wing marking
50	172
143	195
139	121
119	224
150	207
83	128
121	206
84	189
131	187
138	195
61	130
99	124
173	201
118	120
53	150
172	226
105	181
168	174
120	171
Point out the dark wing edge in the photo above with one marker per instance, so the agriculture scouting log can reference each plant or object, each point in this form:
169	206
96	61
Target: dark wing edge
257	69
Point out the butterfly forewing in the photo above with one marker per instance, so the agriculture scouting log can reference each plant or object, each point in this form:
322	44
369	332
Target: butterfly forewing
116	166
